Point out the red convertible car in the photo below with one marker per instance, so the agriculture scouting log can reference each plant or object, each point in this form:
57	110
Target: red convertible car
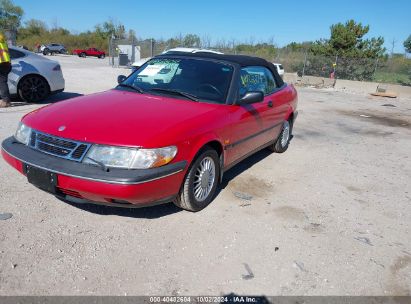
166	133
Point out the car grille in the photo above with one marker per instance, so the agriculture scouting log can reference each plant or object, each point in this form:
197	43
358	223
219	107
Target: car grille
57	146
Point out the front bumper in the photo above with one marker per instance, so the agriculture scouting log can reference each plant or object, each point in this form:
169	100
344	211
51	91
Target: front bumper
91	183
56	81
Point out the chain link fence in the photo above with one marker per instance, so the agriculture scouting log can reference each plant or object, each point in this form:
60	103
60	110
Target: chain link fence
134	49
395	69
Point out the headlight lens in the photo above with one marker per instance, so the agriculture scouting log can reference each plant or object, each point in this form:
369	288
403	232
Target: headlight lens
130	158
23	133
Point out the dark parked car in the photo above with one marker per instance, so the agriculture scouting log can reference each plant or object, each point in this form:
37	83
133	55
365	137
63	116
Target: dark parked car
52	48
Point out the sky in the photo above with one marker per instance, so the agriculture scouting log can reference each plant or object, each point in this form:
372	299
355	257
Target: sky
252	20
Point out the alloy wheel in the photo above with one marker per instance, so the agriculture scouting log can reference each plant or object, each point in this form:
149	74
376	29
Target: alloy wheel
204	178
33	89
286	134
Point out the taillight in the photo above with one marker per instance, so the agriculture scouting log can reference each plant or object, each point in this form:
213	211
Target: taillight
57	68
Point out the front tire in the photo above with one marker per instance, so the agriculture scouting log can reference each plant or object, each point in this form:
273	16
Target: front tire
102	56
200	183
283	140
33	88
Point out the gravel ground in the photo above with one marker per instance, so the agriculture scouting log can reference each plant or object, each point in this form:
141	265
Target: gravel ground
331	216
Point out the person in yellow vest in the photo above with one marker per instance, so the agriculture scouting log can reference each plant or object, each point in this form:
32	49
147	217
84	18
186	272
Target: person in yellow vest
5	69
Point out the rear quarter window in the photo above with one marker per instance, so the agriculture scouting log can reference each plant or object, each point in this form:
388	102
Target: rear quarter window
14	54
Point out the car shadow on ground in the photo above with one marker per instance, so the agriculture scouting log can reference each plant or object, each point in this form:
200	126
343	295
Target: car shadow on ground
144	212
243	166
169	208
52	99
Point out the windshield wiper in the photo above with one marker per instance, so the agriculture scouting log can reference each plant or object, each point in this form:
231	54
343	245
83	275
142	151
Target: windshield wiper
184	94
131	87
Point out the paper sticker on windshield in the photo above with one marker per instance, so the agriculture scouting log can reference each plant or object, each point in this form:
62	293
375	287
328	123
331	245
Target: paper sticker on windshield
151	70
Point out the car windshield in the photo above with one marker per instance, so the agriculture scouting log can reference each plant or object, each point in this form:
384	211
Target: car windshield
194	79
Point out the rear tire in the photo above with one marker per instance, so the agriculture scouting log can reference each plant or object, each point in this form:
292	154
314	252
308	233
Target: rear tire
83	55
283	140
33	88
200	184
102	56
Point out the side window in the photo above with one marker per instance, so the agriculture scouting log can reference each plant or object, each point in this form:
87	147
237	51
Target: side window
14	54
271	84
256	78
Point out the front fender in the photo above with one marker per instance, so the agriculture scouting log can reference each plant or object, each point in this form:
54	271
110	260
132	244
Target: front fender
198	144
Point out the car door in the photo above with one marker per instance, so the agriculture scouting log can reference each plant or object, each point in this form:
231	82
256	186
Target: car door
92	52
276	100
248	121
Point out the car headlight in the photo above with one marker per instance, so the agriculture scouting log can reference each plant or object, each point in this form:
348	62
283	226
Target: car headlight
130	158
23	133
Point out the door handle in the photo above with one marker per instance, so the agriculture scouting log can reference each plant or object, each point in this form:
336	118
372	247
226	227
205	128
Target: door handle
270	104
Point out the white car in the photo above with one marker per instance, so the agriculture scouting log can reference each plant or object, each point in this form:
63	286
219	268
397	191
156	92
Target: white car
33	78
280	68
140	62
190	50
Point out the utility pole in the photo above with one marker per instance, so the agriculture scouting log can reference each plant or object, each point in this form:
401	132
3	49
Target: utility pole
152	46
305	61
393	45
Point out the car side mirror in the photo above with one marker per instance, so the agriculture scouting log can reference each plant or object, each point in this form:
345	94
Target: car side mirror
252	97
121	78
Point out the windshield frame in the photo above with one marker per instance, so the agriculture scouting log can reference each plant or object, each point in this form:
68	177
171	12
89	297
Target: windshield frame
228	96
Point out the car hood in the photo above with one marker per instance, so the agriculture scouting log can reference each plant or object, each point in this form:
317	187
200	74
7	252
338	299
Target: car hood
122	118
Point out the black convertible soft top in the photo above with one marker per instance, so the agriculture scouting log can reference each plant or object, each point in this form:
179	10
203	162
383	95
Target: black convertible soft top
241	60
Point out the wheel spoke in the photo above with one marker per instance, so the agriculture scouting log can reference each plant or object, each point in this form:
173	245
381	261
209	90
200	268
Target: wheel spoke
197	191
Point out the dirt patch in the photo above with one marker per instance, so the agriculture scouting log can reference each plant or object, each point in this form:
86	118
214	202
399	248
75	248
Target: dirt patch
395	284
353	189
307	134
376	133
251	186
362	131
400	263
379	119
314	228
291	213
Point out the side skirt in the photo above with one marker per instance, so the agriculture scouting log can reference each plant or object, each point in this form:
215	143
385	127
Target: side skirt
228	167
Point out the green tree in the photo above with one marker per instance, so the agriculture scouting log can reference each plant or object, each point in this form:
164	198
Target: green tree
298	47
10	15
132	35
355	57
347	40
110	28
32	27
191	40
407	44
